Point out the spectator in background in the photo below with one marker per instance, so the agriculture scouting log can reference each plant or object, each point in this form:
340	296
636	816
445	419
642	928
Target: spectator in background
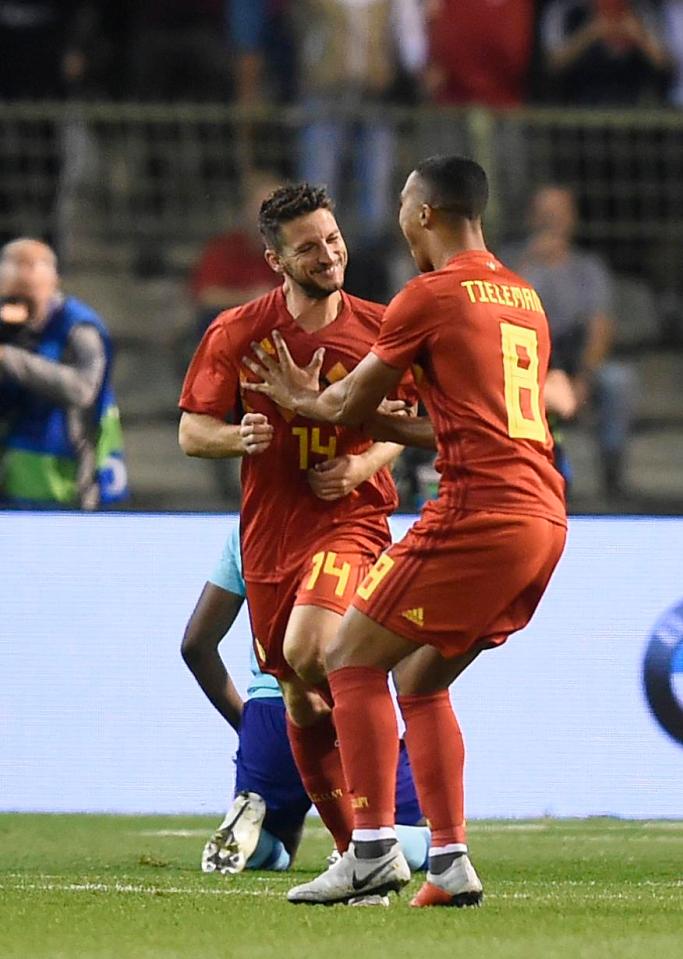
354	56
179	50
604	52
480	54
672	14
232	268
43	47
60	435
264	64
479	51
576	290
266	778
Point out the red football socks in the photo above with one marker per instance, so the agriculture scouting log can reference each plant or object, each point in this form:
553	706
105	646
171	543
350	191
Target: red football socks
368	740
316	754
437	758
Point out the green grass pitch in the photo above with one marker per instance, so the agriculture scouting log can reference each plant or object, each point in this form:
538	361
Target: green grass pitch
109	887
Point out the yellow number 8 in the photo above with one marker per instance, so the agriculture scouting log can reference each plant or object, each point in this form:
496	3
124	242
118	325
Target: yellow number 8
525	421
375	576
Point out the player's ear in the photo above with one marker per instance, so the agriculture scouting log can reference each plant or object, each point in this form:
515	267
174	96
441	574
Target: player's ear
272	258
425	214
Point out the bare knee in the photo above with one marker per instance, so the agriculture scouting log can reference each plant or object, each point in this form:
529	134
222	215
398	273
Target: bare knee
304	706
309	632
305	658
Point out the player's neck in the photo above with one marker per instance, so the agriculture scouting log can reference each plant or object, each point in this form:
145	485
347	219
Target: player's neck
309	313
447	244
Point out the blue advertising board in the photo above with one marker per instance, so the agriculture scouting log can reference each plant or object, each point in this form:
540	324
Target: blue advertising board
579	714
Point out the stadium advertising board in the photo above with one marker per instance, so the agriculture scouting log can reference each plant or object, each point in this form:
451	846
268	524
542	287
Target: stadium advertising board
580	714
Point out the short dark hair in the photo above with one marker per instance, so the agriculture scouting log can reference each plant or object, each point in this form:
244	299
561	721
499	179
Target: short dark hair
288	203
455	184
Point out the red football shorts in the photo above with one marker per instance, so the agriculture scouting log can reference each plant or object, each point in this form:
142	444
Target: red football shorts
459	580
329	579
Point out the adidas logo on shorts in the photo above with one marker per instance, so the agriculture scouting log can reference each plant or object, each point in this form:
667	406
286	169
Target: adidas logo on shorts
416	616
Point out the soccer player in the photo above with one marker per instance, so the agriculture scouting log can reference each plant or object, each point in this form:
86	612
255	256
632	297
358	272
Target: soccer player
303	553
473	568
262	829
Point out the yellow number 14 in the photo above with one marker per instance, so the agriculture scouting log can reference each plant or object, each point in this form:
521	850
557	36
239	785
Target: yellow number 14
310	442
327	563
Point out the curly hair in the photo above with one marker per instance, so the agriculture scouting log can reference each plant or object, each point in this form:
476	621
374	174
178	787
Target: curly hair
286	204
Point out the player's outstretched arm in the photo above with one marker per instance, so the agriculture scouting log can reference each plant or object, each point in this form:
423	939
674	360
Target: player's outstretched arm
332	479
406	430
349	402
211	438
214	614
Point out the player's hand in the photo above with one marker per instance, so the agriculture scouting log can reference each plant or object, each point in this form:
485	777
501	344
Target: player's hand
282	378
337	477
256	433
560	395
395	408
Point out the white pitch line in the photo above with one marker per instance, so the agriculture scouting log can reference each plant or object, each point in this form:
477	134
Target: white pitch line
316	829
119	887
170	833
535	895
507	827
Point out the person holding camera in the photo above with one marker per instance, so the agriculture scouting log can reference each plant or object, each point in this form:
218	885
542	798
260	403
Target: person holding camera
60	434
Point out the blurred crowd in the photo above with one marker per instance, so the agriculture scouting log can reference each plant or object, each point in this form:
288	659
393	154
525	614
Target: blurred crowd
340	63
499	53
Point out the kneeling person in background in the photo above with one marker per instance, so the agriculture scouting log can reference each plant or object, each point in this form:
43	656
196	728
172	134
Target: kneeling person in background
263	827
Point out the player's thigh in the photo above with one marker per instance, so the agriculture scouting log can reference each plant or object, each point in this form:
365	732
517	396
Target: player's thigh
451	580
522	606
360	641
329	581
426	671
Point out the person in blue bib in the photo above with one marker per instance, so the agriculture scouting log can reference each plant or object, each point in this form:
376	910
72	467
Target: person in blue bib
60	434
262	828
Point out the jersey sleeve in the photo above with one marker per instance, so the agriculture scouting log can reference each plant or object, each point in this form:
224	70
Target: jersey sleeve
228	573
211	383
407	324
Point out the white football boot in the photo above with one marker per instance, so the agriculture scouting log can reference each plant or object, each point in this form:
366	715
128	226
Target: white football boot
333	857
352	878
237	836
458	886
371	900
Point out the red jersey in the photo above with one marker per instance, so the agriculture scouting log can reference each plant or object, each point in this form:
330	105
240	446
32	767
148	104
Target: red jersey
282	521
478	340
